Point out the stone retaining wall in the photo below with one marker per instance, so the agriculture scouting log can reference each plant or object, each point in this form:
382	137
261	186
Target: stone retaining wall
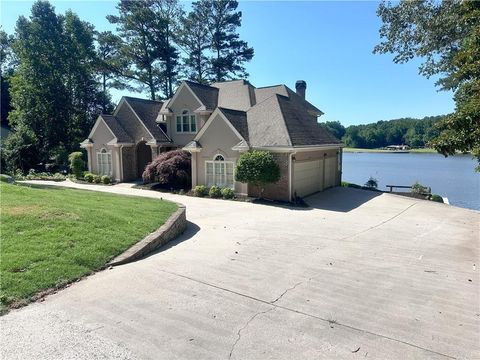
173	227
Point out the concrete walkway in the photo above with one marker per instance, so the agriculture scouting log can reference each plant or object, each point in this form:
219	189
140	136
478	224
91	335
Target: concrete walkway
359	275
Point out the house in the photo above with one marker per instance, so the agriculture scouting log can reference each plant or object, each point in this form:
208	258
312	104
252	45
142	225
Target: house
216	123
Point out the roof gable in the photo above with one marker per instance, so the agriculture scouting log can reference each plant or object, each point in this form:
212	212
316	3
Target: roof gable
219	113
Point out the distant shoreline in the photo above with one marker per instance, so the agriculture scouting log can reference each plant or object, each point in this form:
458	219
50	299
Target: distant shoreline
360	150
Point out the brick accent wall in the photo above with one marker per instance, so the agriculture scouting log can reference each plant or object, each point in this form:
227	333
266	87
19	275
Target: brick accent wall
279	190
129	163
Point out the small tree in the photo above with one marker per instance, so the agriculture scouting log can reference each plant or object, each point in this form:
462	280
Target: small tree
76	164
172	169
258	168
372	183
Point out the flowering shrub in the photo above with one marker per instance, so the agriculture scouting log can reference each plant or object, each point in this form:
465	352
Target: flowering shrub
171	169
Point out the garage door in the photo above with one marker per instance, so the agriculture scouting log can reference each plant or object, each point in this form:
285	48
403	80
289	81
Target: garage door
330	171
307	177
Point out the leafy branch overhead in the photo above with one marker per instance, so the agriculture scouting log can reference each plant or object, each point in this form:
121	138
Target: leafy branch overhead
446	35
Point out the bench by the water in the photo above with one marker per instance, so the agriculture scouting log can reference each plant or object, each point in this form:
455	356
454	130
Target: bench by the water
429	191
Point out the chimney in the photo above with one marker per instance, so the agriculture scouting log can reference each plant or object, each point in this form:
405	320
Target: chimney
301	87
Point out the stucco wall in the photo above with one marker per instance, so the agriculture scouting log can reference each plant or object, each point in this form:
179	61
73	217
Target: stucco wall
218	139
184	101
100	138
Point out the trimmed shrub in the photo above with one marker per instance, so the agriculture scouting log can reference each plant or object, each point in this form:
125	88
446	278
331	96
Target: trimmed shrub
372	183
258	168
172	169
106	179
88	177
215	192
6	178
436	198
228	193
200	191
76	164
97	179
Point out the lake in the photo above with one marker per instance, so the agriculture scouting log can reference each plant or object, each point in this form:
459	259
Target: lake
453	177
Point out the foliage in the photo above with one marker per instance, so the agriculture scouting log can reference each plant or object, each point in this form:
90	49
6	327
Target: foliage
99	226
436	198
228	193
258	168
200	190
88	177
334	127
229	52
97	179
172	169
106	179
408	131
446	35
418	188
6	178
54	96
215	192
77	164
372	183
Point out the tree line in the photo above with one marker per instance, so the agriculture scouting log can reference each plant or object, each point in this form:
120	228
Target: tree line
57	71
416	133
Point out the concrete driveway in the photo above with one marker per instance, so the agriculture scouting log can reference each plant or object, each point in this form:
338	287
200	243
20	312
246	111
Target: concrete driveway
359	275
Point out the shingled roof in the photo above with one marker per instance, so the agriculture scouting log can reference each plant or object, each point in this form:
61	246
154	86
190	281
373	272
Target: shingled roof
147	111
208	95
117	130
238	119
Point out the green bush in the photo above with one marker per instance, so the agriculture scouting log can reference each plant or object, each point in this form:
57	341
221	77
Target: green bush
106	179
436	198
200	190
88	177
418	188
258	168
372	183
76	164
97	179
228	193
215	192
6	178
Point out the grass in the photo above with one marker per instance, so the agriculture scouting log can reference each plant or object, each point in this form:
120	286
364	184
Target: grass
360	150
52	236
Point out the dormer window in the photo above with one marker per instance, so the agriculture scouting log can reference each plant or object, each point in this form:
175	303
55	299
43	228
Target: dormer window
186	122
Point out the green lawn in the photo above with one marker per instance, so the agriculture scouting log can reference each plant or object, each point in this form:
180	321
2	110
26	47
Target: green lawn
360	150
51	236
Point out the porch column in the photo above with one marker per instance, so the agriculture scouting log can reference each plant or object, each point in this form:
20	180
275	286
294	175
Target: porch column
154	149
118	166
89	158
194	169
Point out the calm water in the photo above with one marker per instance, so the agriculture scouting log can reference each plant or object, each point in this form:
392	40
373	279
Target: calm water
452	177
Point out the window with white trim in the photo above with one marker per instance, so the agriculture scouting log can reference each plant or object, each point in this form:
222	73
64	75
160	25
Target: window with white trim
186	123
104	162
219	172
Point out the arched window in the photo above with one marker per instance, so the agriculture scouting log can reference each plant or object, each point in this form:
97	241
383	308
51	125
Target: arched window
219	172
104	162
186	122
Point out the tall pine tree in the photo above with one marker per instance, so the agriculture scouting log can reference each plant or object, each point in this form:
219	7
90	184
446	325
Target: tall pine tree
229	52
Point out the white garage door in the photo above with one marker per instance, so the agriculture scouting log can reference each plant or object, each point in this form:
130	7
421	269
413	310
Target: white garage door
330	171
307	177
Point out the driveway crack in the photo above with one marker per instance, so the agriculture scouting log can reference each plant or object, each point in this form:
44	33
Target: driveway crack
239	332
282	294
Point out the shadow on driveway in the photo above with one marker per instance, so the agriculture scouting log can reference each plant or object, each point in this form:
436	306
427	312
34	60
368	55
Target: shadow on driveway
340	199
190	232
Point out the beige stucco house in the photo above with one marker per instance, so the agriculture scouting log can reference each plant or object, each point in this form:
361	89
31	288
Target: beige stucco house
216	123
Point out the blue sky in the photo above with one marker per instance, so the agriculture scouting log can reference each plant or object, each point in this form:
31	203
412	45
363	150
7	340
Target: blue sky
326	43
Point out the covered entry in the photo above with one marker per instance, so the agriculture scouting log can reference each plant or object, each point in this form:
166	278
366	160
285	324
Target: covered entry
308	177
144	156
